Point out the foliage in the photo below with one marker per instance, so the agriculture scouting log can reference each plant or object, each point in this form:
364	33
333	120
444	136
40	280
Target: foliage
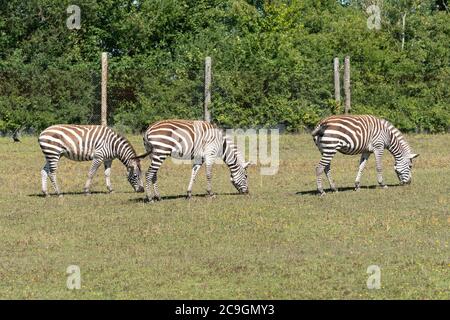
272	62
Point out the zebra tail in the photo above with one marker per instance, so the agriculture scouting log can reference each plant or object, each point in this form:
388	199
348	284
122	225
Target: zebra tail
148	147
318	131
142	156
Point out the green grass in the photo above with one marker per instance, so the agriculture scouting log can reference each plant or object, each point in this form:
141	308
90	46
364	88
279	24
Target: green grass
280	242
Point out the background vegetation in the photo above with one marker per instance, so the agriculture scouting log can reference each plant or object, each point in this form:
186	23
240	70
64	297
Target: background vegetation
272	61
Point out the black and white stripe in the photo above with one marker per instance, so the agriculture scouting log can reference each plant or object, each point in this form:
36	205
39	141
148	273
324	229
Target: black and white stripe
85	143
361	135
195	140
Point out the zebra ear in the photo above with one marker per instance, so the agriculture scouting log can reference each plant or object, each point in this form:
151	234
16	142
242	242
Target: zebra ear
413	155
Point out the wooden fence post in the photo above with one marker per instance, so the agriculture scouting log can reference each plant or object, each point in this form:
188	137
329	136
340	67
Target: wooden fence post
104	88
337	84
207	101
403	30
347	84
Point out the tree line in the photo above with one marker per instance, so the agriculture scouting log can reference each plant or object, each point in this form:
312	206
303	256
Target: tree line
272	62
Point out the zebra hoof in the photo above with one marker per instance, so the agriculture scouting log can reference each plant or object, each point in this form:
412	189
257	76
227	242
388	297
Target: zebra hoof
211	195
60	195
157	198
357	188
189	196
383	186
335	190
148	200
87	193
321	193
110	190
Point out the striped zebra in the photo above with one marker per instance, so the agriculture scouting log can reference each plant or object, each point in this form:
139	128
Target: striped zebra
194	140
361	135
84	143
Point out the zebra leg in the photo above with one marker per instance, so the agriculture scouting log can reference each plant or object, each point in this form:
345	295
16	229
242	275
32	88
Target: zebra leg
156	196
108	164
319	171
329	177
44	175
195	168
323	163
94	167
52	166
362	165
148	183
378	159
52	175
151	177
209	164
49	170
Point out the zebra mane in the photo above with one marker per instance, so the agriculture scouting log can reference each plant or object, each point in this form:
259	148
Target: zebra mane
398	144
230	153
128	152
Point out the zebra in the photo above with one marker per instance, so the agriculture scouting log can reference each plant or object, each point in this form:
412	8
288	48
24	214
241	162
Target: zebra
364	134
194	140
84	143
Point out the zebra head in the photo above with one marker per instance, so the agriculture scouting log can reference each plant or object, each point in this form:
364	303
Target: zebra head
239	178
134	175
403	168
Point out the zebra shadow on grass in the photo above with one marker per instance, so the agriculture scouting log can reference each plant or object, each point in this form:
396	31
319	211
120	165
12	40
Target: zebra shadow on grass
75	193
345	189
183	196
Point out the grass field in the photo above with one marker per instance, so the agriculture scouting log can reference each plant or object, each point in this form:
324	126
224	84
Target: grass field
281	241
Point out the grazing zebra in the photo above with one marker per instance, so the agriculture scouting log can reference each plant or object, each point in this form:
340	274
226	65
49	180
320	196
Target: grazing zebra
84	143
361	135
194	140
